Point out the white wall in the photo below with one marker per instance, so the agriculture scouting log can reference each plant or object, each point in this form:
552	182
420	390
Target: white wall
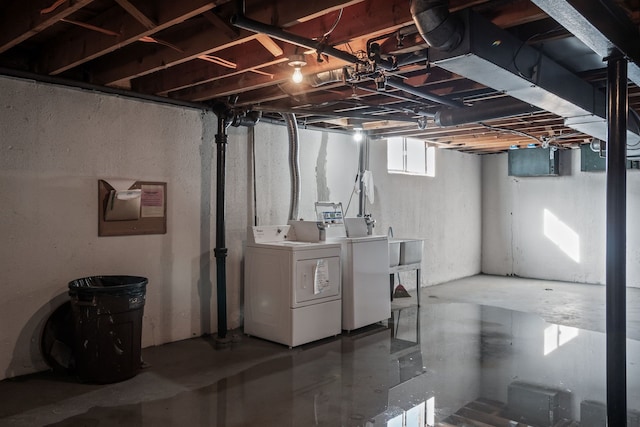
328	167
444	210
513	212
56	142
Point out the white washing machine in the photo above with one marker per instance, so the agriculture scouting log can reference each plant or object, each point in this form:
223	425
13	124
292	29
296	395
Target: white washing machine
292	290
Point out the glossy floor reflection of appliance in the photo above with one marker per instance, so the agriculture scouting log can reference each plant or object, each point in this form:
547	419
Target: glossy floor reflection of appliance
444	364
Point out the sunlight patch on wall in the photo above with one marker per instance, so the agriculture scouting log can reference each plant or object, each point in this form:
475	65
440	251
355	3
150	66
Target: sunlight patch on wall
556	336
562	235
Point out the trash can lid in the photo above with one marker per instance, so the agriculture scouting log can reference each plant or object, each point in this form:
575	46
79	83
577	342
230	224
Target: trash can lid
108	284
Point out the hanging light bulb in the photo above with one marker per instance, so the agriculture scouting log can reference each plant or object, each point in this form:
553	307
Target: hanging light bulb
297	75
297	62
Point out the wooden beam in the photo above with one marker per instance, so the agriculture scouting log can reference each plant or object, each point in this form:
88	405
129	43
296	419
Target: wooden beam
140	16
77	47
90	27
269	44
252	56
516	13
23	19
239	83
230	31
292	12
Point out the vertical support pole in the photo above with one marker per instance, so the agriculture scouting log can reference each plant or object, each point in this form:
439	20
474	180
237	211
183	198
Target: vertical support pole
361	168
617	109
221	250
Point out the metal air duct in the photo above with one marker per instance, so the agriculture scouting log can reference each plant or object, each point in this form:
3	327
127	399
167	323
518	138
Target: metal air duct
601	25
326	77
495	58
294	163
436	25
486	110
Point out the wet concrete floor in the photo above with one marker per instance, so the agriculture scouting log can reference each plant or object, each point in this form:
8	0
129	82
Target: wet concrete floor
474	344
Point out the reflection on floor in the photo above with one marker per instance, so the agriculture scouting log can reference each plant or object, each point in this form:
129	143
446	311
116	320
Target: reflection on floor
486	412
445	363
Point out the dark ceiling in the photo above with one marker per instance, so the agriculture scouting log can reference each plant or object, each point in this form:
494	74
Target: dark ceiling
366	64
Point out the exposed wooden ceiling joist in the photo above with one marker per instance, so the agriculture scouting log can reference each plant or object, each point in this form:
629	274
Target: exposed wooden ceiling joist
189	50
26	18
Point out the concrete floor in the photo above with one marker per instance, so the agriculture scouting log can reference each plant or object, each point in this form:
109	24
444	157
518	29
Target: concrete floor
355	379
570	304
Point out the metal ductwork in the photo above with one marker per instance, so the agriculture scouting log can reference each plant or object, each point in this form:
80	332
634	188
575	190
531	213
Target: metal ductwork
437	26
493	57
601	25
294	163
326	77
486	110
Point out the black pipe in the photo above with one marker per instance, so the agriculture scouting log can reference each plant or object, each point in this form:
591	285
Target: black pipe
221	251
412	58
241	21
486	110
617	110
330	114
395	83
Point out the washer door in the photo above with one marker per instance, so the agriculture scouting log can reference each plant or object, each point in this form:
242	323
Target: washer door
316	280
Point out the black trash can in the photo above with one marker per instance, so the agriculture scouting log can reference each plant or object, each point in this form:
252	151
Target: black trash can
107	313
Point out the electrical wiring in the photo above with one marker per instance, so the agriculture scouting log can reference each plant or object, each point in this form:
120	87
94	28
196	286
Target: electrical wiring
513	131
515	55
333	27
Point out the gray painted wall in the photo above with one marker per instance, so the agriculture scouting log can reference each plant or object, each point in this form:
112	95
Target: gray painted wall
513	223
56	143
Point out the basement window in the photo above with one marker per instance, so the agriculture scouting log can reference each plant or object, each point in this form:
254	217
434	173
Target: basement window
410	156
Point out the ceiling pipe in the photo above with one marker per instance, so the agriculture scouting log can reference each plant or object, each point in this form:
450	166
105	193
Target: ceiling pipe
398	84
330	114
243	22
248	119
436	25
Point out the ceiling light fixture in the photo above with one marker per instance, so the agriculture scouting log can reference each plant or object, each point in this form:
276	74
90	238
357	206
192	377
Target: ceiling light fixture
357	136
297	62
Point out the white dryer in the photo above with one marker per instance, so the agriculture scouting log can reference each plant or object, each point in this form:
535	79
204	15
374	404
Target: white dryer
365	278
293	292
